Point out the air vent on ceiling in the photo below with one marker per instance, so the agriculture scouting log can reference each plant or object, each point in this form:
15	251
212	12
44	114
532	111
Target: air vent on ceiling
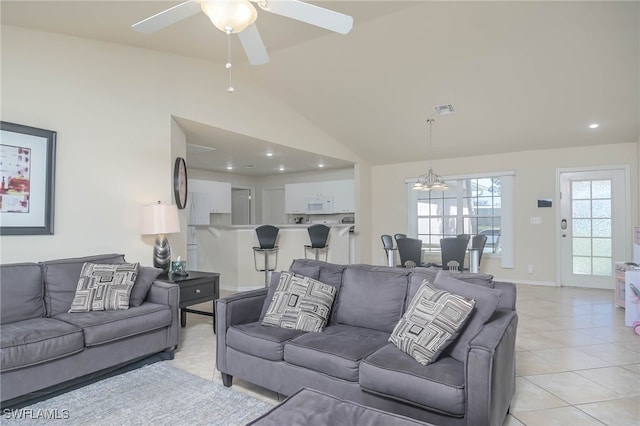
444	109
198	149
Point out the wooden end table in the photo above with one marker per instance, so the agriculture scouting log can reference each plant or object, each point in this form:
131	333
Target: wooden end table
196	287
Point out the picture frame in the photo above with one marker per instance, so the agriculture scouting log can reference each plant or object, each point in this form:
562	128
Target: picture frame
27	179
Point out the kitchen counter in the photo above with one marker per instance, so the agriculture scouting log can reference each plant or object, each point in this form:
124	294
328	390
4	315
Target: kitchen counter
228	249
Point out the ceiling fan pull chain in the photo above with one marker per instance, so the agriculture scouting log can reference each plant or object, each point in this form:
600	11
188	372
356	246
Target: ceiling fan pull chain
228	30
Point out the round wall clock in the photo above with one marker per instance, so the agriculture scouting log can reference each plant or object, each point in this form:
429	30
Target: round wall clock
180	182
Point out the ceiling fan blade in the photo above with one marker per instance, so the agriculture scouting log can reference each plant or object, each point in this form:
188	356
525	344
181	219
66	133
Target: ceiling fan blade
311	14
167	17
253	45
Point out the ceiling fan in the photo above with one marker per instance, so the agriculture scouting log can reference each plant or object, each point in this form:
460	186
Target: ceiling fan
238	17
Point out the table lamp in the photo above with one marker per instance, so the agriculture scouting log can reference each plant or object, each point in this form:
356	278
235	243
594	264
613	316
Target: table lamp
160	219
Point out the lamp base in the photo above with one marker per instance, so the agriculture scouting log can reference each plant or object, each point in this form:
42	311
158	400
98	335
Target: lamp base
162	254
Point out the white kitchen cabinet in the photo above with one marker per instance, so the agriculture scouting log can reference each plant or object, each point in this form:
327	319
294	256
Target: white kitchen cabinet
340	192
344	196
218	194
295	195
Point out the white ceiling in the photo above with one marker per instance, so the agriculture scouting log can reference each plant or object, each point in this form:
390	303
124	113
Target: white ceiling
521	75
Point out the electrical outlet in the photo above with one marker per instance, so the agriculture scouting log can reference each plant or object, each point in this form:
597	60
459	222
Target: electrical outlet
531	269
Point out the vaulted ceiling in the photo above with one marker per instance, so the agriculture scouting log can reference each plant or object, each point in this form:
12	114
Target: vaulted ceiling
520	75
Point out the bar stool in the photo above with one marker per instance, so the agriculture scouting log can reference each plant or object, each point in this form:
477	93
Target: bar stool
267	236
318	234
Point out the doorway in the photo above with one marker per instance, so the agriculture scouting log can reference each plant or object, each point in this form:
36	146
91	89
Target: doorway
592	225
241	206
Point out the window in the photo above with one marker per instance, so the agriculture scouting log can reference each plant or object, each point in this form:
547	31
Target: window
472	205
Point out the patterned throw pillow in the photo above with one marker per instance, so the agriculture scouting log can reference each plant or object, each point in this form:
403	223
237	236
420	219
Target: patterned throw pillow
432	321
300	303
104	287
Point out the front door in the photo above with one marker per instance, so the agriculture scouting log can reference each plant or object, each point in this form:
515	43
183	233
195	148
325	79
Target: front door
593	226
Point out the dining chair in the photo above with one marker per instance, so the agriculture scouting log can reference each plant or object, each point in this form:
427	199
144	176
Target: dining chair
389	249
410	250
453	250
478	242
399	236
464	236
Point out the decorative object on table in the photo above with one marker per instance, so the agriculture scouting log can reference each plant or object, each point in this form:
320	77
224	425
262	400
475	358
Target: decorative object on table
430	181
179	267
27	176
160	219
180	187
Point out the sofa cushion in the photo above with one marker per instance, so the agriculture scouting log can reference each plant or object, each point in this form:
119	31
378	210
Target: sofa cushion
21	292
329	273
37	340
439	386
104	287
300	303
303	270
372	296
258	340
336	351
486	303
432	321
61	279
107	326
144	281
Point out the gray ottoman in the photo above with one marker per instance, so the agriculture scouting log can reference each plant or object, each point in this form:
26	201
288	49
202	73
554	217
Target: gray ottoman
311	407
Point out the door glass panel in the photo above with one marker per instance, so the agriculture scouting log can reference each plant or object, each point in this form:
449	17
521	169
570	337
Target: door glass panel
601	189
602	227
602	266
582	247
602	247
581	190
581	227
582	208
582	265
592	232
601	208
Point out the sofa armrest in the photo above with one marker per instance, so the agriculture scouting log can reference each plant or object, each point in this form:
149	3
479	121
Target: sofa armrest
240	308
168	294
491	370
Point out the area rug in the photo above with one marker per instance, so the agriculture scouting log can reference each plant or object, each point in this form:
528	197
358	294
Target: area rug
156	394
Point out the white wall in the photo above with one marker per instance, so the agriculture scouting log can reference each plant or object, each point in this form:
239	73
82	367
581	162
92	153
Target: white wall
112	106
535	178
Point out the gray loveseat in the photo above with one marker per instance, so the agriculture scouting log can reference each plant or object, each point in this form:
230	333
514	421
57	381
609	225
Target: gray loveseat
471	383
44	347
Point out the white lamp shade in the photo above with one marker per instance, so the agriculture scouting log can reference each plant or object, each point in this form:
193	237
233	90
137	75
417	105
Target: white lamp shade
160	219
234	14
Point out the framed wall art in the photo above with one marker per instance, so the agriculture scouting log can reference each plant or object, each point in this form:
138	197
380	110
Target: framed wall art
27	178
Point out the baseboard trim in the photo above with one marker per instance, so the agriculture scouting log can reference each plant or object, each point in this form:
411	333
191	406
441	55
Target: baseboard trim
529	282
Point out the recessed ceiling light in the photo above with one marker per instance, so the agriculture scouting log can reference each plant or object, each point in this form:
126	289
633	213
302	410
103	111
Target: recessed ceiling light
320	165
269	154
594	126
281	168
229	167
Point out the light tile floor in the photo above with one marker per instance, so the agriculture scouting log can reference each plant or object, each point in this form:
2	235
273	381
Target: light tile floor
576	362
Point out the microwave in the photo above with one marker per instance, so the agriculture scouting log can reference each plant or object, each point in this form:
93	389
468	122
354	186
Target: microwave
319	205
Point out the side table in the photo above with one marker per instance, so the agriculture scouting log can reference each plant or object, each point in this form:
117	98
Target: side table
196	287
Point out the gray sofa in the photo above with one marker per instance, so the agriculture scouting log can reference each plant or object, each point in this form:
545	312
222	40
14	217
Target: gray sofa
44	347
471	383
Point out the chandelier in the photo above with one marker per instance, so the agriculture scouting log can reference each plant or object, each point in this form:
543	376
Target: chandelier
430	181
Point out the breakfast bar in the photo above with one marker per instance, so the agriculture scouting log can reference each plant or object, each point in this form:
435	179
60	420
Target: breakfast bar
228	249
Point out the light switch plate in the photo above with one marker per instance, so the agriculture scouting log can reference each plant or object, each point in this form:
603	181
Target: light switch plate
536	220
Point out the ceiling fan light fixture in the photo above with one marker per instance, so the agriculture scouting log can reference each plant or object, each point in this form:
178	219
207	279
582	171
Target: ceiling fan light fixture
234	14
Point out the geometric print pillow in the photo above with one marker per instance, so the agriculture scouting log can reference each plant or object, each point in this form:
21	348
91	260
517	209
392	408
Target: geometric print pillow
432	321
300	303
104	287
